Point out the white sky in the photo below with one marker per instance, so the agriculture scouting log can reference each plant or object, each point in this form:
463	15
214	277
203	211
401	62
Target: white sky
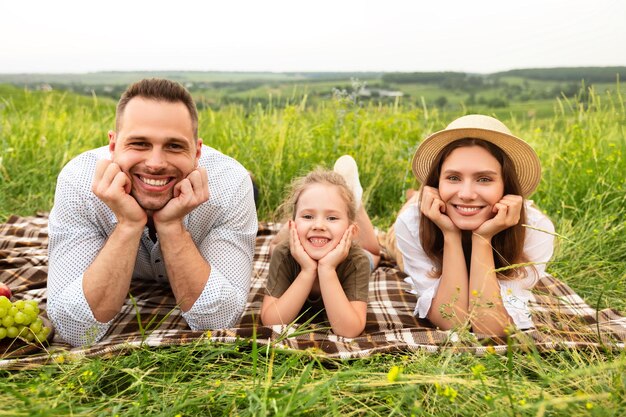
323	35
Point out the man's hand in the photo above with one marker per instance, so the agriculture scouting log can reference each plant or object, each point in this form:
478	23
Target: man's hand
112	186
188	194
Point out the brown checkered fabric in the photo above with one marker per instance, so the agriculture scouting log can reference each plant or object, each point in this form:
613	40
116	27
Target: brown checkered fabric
150	318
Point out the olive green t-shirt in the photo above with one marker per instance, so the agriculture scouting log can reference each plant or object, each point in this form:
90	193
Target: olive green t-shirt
353	273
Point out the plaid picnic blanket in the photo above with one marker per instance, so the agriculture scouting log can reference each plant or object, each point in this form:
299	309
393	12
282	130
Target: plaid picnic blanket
561	317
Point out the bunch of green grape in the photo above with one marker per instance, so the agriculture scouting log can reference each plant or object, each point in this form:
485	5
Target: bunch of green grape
21	319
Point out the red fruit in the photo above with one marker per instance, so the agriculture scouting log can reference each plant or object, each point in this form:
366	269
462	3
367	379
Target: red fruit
5	290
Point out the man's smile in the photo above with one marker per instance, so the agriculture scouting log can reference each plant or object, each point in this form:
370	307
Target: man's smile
154	182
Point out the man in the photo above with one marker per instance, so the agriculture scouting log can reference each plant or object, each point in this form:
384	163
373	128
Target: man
154	205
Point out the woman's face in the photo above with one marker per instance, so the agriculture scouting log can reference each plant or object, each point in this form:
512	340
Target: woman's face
470	185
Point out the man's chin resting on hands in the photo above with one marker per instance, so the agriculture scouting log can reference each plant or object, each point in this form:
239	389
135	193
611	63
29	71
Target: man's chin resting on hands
155	205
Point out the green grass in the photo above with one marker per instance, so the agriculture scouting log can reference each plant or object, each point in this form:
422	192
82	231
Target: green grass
581	144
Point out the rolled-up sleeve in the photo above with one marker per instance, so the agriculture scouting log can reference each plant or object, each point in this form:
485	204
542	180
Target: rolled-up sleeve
75	241
229	248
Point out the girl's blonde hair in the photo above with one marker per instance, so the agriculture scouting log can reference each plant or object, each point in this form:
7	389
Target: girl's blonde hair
318	176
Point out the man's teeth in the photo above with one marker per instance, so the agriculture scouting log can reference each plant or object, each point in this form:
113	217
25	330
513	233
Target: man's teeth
468	209
156	183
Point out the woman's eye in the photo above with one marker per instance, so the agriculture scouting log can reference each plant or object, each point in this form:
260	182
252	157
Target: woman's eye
484	179
453	178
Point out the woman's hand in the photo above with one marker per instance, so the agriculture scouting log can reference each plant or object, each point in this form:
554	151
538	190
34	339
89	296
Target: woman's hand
297	250
433	207
508	212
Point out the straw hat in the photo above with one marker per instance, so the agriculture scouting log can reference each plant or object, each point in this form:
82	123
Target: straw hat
525	160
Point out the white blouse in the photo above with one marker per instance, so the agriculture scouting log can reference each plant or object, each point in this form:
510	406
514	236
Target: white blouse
538	247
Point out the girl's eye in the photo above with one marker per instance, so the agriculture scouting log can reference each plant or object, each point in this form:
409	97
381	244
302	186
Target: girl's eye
307	216
333	218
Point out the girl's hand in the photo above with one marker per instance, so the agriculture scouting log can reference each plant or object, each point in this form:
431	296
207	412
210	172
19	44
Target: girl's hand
508	212
340	252
433	207
297	250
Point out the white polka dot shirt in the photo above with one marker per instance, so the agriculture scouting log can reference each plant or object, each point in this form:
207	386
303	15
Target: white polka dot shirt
223	228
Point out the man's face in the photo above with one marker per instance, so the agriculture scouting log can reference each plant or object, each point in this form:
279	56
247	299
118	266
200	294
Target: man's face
155	147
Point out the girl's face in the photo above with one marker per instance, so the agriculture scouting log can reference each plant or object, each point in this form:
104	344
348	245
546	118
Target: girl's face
321	219
470	185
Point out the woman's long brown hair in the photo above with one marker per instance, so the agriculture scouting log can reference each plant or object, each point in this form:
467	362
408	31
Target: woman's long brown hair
508	245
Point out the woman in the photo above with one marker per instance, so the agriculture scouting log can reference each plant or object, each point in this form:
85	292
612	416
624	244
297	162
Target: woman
463	239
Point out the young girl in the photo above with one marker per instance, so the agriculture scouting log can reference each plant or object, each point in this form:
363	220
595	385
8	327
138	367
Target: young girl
469	220
317	266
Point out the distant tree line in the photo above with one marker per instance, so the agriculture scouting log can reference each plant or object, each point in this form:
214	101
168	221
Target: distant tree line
588	74
448	80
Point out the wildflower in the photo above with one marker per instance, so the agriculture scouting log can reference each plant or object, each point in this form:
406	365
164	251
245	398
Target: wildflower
475	293
589	405
208	334
450	393
522	402
394	373
491	349
477	371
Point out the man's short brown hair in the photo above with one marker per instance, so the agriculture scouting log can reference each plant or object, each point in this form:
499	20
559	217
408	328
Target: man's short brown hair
158	89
